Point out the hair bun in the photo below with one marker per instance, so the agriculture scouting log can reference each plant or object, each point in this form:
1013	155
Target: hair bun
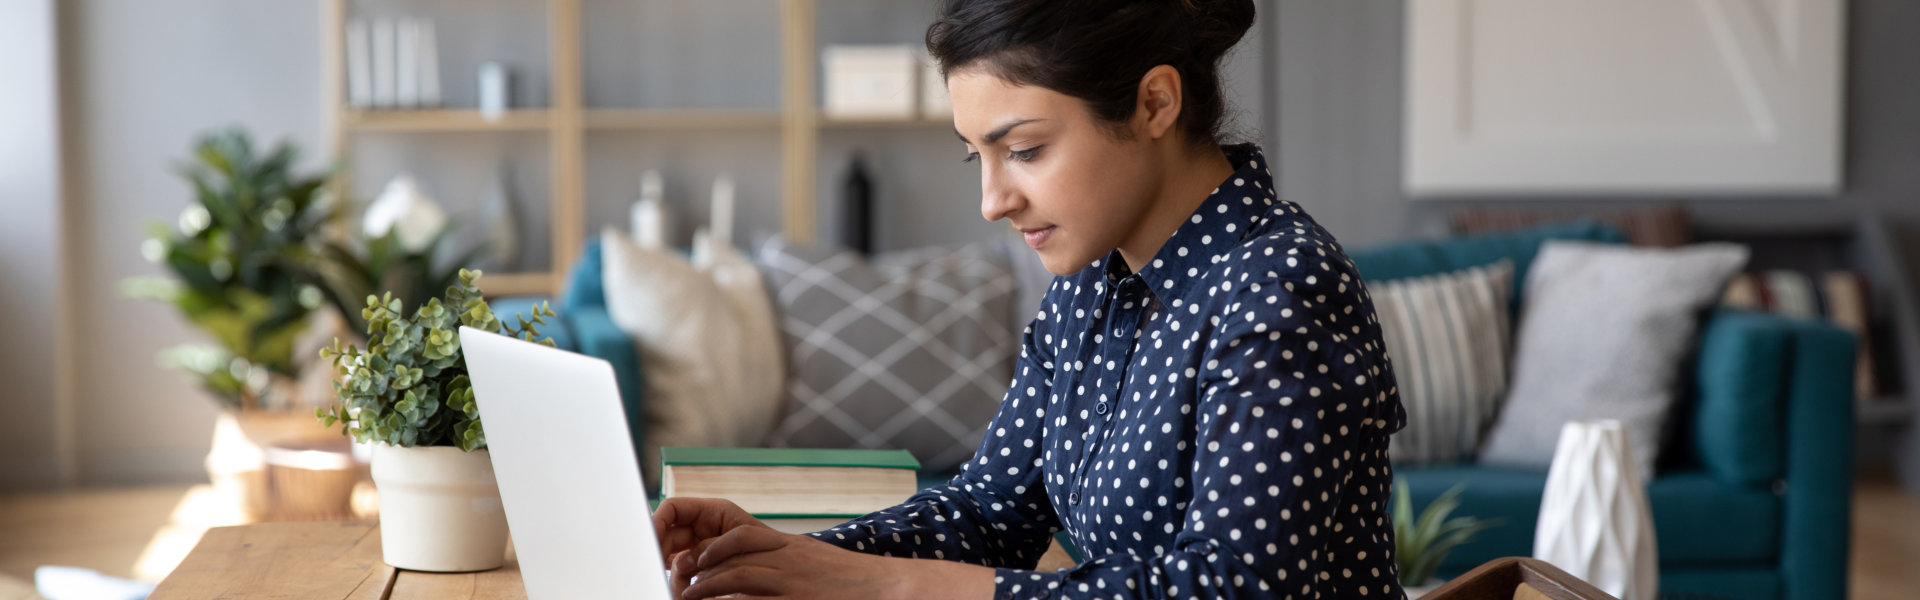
1219	24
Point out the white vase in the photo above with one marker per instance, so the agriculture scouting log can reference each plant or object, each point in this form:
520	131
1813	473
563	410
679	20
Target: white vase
439	509
1595	523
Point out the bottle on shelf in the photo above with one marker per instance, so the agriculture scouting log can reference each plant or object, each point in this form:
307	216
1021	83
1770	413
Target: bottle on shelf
720	216
652	220
501	218
856	207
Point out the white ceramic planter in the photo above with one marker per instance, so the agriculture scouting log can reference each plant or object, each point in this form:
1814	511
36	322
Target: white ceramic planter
439	509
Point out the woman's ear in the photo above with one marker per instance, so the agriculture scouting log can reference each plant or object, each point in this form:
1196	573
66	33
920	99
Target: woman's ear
1158	106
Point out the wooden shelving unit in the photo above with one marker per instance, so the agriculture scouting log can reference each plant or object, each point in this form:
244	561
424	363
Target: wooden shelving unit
567	120
445	120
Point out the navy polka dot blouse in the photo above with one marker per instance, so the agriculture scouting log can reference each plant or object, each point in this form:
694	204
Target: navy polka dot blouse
1214	426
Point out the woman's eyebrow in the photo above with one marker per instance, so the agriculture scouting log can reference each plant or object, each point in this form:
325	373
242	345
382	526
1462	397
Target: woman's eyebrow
998	132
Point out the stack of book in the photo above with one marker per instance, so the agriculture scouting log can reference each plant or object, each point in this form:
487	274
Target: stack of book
1840	297
791	489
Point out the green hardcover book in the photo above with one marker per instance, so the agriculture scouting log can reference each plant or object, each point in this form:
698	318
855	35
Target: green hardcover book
788	483
777	457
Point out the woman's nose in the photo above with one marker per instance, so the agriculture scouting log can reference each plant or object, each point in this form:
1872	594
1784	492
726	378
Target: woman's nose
997	199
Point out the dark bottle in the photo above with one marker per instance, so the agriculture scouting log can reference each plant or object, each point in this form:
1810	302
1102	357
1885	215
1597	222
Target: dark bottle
856	208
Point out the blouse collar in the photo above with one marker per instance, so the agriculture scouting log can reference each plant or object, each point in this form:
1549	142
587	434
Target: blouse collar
1221	223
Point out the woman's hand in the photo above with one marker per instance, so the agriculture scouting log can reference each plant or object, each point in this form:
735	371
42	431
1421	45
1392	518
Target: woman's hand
759	562
683	523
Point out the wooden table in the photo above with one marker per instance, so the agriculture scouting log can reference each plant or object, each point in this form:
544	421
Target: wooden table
320	561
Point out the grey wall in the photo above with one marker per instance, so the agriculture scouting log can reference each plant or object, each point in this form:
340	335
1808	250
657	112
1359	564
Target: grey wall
1340	66
30	241
140	81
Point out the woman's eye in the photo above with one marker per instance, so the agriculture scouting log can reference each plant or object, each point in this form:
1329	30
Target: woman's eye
970	157
1024	155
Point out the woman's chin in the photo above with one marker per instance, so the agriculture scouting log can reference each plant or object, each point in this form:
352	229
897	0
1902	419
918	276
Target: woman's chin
1058	263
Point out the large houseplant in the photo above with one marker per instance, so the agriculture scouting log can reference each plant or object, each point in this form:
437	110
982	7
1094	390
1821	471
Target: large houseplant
239	261
408	394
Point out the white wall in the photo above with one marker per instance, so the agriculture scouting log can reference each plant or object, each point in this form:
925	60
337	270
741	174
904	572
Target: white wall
30	239
142	79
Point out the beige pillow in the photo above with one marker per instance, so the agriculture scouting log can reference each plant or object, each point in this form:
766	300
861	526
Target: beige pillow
694	347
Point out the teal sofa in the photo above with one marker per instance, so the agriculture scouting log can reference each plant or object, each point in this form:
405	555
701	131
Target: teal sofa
584	326
1752	502
1753	497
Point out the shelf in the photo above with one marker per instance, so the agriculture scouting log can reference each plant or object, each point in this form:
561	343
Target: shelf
1892	410
443	120
648	119
827	122
516	284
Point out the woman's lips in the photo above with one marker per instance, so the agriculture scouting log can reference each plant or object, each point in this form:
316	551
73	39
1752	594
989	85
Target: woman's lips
1037	237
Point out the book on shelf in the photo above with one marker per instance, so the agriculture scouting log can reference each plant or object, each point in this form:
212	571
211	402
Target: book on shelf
1839	297
792	489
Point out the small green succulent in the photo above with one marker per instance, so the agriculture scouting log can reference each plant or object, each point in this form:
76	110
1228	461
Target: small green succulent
1420	545
409	386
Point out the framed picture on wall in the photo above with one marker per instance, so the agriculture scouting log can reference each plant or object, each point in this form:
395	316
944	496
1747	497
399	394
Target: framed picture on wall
1630	97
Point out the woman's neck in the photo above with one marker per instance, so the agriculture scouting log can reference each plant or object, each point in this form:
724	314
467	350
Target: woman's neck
1190	178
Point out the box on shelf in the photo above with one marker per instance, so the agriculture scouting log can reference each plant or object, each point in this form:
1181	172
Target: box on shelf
869	82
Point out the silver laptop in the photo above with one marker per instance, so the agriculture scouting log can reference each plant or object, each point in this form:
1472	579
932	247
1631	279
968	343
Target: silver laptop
568	477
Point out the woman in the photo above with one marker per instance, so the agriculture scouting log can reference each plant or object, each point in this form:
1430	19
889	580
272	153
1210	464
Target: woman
1203	401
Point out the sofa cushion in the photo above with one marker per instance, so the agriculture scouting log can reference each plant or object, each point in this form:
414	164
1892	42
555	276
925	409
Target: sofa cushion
1698	519
689	341
506	308
913	350
586	285
1602	336
1429	257
1448	335
1736	425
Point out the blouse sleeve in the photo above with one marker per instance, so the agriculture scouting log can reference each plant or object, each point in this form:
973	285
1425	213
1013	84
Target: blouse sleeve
995	512
1283	411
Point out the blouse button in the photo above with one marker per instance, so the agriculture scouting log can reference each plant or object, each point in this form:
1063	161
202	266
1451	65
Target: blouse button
1073	498
1100	408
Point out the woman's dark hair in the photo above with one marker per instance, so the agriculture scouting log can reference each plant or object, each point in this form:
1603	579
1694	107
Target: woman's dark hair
1097	50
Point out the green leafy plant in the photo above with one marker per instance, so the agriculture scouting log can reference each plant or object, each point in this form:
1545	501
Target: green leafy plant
409	386
1420	545
383	265
239	260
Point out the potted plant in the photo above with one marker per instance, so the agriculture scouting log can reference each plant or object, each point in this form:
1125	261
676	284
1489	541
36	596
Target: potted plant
1420	544
407	394
237	264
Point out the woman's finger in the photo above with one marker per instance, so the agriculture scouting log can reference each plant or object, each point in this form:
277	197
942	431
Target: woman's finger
742	540
751	580
683	570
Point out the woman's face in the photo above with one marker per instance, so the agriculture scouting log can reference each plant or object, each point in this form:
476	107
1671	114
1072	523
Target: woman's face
1049	169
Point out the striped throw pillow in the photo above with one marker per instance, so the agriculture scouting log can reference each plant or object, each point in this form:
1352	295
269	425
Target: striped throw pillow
1448	335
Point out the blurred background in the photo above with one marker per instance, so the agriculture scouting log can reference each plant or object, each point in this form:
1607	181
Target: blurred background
541	118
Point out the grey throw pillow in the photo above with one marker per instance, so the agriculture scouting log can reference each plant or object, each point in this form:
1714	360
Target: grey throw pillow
1601	336
911	351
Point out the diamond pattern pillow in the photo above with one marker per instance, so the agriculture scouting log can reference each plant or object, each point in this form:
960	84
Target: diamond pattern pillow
911	351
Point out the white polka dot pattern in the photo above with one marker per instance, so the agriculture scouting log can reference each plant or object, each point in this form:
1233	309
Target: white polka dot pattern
1214	426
